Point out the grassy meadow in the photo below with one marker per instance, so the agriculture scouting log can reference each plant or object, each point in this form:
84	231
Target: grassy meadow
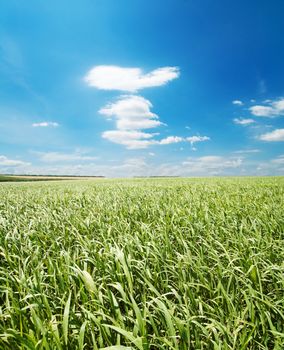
142	264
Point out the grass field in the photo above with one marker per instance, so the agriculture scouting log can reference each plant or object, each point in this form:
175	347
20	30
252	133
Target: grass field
142	264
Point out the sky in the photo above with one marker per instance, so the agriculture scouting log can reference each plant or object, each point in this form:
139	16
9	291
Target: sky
142	88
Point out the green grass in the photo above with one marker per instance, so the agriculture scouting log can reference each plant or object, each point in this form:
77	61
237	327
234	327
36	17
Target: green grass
142	264
15	178
29	178
7	178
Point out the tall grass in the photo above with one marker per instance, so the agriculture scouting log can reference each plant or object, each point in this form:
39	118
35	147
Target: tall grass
142	264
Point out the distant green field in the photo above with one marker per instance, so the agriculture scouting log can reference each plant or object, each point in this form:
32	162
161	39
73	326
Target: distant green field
12	178
142	264
6	178
24	178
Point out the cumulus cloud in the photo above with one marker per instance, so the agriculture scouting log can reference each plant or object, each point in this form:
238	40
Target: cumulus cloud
45	124
6	162
131	113
54	157
132	139
273	109
171	139
262	111
237	102
129	79
273	136
243	121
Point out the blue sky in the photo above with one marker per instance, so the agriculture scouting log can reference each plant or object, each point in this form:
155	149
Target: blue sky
131	87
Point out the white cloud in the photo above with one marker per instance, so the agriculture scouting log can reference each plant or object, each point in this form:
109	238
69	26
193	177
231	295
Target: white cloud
171	139
6	162
279	105
135	139
271	167
54	157
212	165
131	113
132	139
274	109
278	160
194	139
237	102
273	136
129	79
262	111
243	121
247	151
45	124
176	139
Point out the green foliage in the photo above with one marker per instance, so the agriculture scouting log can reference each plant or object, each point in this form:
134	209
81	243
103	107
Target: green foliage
142	264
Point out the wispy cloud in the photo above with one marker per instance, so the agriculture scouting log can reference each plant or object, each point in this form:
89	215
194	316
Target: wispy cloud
245	151
45	124
272	109
273	166
262	88
243	121
278	160
7	162
129	79
54	157
273	136
176	139
135	139
237	103
194	139
211	165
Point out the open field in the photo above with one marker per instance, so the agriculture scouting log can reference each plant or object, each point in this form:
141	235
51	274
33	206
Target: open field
142	264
